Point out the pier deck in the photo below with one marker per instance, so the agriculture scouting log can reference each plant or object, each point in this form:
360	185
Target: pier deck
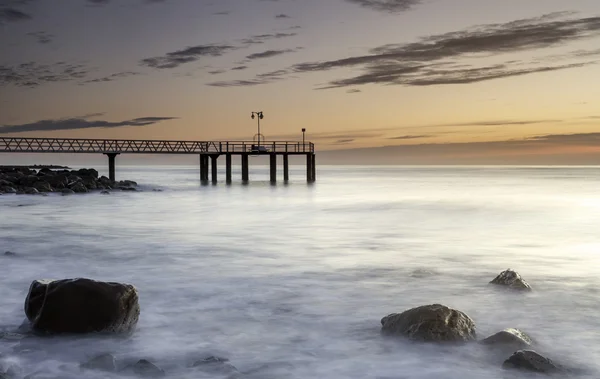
205	149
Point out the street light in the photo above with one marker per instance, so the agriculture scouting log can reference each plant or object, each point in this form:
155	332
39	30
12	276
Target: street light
260	117
303	131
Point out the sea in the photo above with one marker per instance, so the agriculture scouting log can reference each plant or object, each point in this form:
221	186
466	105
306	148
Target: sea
292	280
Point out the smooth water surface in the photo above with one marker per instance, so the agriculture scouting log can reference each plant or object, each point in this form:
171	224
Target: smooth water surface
291	281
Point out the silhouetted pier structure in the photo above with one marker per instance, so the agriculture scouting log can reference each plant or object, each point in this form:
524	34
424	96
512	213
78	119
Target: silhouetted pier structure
209	152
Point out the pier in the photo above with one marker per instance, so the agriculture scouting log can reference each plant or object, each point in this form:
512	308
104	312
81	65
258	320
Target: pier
208	152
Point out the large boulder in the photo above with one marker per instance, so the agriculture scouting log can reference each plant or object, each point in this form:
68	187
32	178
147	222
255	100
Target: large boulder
59	181
103	362
82	306
8	189
79	187
30	191
511	279
28	181
431	323
89	172
43	186
529	360
508	340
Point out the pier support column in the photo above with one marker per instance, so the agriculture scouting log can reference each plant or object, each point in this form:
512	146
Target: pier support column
213	161
314	167
273	166
228	168
111	165
286	167
309	169
245	168
203	168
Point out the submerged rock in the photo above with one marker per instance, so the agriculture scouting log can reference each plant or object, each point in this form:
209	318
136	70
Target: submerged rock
67	191
215	365
511	279
82	306
529	360
430	323
79	187
104	362
147	369
105	192
10	253
511	338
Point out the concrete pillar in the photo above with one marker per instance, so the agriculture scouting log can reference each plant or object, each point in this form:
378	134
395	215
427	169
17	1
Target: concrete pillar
314	167
309	170
245	167
273	166
111	165
286	167
228	168
213	161
203	168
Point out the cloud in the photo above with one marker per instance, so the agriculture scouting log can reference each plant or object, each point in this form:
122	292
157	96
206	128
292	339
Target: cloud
354	90
412	137
344	141
261	38
13	15
32	74
391	6
239	68
42	37
79	123
282	15
112	77
454	57
187	55
222	13
269	54
268	77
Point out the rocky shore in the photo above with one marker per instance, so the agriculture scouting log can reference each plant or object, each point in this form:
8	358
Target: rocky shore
23	180
83	306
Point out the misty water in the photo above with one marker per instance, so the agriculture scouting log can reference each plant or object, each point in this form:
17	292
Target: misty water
291	281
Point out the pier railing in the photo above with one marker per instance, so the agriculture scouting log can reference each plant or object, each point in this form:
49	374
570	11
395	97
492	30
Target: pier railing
75	145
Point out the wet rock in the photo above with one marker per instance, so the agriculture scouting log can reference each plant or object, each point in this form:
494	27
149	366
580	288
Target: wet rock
67	191
58	181
79	187
10	253
127	183
430	323
105	181
215	365
511	279
105	192
529	360
82	306
509	339
9	189
87	172
89	183
43	187
30	191
147	369
104	362
128	188
28	181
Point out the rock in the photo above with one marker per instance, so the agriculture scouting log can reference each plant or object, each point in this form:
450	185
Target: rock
89	172
127	183
105	181
529	360
59	181
67	191
431	323
28	181
10	253
82	306
72	179
79	187
9	189
89	183
104	362
512	339
215	365
147	369
511	279
43	187
105	192
30	191
128	188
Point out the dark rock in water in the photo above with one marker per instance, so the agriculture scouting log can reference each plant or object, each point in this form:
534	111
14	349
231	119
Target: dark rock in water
79	187
511	279
430	323
128	188
147	369
30	191
10	253
67	191
89	183
215	365
28	181
422	273
90	172
104	362
105	192
511	339
529	360
59	181
43	187
127	183
9	189
82	306
105	181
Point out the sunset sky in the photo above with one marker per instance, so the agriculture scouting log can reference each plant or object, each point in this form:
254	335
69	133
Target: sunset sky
424	81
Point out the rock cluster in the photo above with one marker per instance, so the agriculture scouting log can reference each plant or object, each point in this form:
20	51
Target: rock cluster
22	180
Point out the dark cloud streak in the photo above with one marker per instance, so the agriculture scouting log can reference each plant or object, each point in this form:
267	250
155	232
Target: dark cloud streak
79	123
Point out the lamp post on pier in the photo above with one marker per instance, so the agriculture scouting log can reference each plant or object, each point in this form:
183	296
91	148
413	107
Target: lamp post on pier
259	116
303	131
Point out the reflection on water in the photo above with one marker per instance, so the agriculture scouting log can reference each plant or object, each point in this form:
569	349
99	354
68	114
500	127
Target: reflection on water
292	281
